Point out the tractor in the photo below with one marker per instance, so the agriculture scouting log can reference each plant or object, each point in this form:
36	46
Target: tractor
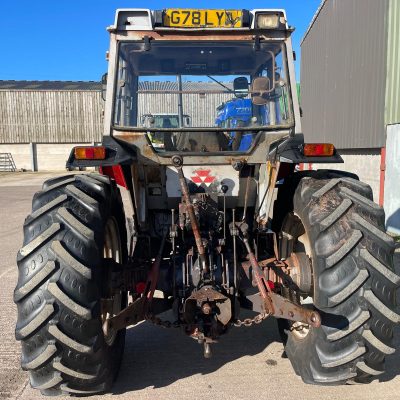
236	113
162	121
209	229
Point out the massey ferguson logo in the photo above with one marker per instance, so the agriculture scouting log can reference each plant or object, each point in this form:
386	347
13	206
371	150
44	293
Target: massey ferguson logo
202	176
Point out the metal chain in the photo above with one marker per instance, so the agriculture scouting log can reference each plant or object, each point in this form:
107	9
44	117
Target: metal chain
238	323
299	327
250	321
163	323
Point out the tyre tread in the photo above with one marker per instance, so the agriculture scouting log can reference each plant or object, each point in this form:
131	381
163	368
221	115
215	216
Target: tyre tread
42	358
348	245
67	302
378	344
58	292
378	266
71	372
25	289
343	357
358	314
40	240
346	292
63	254
382	308
353	325
69	342
32	326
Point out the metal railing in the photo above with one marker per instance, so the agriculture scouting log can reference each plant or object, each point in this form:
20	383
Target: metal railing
7	162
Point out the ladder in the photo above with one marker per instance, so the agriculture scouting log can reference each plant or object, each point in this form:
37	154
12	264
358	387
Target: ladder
7	162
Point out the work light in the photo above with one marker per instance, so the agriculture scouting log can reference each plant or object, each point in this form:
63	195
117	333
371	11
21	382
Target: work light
267	20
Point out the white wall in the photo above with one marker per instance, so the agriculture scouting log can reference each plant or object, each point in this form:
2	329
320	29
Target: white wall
49	157
392	179
20	154
363	162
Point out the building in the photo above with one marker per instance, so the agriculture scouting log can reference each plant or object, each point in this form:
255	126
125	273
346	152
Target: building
350	87
40	121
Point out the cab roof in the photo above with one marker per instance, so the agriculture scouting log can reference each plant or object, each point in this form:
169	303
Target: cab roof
143	19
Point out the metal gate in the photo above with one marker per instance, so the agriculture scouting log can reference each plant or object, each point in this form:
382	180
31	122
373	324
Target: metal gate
7	162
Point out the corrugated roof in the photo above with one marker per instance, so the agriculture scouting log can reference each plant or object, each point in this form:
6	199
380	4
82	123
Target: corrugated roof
51	85
313	20
392	109
344	51
173	85
96	86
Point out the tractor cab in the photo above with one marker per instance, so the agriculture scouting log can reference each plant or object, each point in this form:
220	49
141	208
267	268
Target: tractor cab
182	62
187	62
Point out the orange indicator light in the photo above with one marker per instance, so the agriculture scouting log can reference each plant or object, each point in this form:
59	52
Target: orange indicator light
318	149
90	153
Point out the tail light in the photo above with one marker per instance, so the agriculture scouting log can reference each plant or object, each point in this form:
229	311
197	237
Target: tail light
318	149
90	153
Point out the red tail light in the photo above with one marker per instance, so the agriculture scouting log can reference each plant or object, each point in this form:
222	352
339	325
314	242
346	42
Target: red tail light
318	149
90	153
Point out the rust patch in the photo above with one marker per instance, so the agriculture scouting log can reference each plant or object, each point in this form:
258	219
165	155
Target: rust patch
188	35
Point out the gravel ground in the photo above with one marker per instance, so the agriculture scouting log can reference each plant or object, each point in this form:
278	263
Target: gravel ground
164	364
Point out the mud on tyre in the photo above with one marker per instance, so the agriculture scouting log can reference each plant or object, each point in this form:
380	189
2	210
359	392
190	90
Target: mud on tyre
76	222
354	284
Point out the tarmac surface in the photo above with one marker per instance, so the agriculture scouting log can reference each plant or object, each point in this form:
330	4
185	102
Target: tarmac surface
163	363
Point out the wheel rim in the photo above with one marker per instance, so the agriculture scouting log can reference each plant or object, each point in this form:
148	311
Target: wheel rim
113	305
302	244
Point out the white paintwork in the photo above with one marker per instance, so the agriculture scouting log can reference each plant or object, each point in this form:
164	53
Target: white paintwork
220	172
392	179
292	81
140	19
117	33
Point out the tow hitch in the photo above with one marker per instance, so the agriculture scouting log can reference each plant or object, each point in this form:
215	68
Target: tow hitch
276	305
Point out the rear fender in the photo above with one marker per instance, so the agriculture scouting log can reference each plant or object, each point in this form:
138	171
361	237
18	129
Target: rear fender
116	164
116	154
115	172
289	153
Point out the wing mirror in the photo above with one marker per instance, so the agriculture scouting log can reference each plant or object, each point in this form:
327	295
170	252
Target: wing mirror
261	90
241	87
104	86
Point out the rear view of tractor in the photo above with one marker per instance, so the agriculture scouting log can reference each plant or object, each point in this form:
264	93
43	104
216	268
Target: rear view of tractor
221	220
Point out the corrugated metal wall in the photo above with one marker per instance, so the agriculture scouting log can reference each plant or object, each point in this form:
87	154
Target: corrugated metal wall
50	116
343	72
65	116
196	106
393	69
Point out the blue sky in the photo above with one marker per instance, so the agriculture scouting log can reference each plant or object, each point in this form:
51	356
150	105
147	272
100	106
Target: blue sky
67	40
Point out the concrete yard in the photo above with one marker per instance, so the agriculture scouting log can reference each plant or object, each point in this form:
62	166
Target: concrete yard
164	364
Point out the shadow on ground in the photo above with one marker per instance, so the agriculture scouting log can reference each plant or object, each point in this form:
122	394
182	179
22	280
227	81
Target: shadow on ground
393	361
393	222
158	357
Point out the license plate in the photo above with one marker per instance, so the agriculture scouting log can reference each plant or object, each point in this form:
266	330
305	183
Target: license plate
187	18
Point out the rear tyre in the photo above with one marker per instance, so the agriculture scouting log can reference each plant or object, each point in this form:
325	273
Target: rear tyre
76	222
335	221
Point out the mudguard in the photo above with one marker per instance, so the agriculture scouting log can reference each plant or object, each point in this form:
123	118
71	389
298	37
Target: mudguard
290	151
116	154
